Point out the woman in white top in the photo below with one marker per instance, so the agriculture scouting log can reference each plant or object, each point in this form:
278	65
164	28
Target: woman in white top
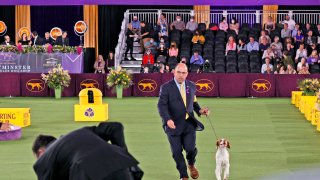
303	62
231	45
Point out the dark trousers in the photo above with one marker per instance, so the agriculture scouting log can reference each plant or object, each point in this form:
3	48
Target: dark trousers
123	174
129	47
186	141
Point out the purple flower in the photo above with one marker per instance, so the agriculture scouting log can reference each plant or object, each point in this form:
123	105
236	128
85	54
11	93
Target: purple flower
49	48
79	49
187	90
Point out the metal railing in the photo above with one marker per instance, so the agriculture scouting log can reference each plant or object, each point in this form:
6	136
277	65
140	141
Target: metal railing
119	50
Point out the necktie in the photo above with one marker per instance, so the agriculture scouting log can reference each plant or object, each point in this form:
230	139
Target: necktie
184	97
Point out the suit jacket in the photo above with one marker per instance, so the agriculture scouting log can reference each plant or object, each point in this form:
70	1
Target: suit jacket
59	41
39	41
171	106
81	155
48	41
4	43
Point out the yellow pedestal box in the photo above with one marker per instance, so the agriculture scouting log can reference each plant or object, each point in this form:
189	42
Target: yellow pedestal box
90	107
16	116
294	96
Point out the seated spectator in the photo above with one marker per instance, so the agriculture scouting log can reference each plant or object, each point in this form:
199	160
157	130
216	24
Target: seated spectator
145	70
267	68
178	24
298	39
294	32
145	35
277	44
290	48
302	63
7	41
290	69
307	29
196	59
301	53
313	58
287	41
231	45
241	46
252	45
151	45
281	70
162	53
99	65
309	40
163	41
183	60
24	41
47	39
223	25
148	58
270	25
304	70
317	34
163	32
162	69
173	50
110	60
264	35
198	38
264	44
192	25
287	58
234	25
268	53
291	23
285	32
277	53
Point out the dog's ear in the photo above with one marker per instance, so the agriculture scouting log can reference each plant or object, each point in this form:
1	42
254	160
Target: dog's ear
217	143
228	144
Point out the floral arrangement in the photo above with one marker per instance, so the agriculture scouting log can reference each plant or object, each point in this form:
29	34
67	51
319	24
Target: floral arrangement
41	49
309	86
119	77
57	77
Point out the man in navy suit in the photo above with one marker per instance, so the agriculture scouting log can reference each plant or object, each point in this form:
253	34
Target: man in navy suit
177	101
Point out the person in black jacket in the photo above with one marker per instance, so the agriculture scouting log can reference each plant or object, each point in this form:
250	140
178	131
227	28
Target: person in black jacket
7	41
130	38
36	39
62	40
47	39
85	154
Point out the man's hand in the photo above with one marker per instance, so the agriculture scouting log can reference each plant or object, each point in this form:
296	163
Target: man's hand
5	127
170	124
205	111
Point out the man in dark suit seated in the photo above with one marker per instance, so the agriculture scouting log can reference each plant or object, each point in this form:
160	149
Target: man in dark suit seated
85	154
36	39
62	40
7	41
47	39
176	104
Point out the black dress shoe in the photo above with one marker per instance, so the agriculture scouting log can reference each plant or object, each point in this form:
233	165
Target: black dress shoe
133	59
126	59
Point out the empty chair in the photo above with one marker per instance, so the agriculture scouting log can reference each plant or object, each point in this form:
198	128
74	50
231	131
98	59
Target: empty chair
243	67
256	27
231	33
220	40
209	35
172	62
221	33
197	47
186	36
194	67
274	33
255	67
242	59
245	27
185	54
314	69
231	68
219	68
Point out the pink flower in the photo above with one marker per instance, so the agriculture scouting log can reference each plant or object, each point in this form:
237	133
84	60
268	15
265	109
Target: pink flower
19	47
79	49
49	48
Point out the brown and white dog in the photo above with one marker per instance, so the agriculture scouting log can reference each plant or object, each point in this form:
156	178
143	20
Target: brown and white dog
222	159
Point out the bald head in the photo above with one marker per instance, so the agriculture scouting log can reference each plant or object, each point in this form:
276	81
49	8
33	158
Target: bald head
180	72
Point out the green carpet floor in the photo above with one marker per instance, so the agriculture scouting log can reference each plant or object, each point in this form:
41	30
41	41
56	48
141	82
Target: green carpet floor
267	136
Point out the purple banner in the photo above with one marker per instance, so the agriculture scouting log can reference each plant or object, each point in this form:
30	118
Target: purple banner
232	85
90	81
9	84
286	83
32	85
206	84
163	2
73	62
146	84
260	85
